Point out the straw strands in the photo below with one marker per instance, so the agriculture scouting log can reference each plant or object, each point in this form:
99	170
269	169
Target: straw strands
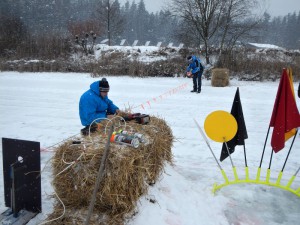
220	77
128	173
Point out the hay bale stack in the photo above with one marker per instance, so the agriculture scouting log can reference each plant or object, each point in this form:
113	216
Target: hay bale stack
128	173
220	77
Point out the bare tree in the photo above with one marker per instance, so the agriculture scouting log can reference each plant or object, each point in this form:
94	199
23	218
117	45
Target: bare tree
87	42
110	18
237	21
209	18
85	33
203	17
12	34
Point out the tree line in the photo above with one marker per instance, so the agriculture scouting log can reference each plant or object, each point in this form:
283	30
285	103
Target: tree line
43	28
282	31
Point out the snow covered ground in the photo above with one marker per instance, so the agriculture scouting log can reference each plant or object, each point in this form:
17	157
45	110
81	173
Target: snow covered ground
43	107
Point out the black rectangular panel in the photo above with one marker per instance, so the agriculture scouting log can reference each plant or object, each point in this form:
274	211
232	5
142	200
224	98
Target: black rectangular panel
21	161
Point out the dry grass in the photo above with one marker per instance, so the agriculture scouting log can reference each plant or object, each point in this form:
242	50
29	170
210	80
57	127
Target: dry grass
220	77
128	173
260	66
244	64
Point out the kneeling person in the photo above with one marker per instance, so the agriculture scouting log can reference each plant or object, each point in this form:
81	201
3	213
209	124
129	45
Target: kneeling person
94	104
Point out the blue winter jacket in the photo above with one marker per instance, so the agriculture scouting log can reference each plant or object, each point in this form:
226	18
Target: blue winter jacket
193	66
92	106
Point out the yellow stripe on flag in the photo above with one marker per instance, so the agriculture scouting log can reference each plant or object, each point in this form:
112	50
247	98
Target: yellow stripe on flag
292	132
290	73
289	134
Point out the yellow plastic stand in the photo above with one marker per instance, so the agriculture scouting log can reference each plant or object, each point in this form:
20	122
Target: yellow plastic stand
277	184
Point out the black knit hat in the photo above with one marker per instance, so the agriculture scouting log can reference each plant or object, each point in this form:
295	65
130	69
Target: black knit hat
103	85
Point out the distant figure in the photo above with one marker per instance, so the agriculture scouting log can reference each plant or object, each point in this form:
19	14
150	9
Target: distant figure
299	90
195	69
94	105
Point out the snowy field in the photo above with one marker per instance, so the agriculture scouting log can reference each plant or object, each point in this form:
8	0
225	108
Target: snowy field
43	107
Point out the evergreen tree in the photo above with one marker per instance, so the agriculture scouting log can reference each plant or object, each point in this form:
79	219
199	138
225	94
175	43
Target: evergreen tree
142	22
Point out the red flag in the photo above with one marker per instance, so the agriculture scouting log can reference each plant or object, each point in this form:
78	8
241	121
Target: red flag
285	114
292	132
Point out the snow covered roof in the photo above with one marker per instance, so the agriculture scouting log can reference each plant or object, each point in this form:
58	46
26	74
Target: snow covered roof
264	46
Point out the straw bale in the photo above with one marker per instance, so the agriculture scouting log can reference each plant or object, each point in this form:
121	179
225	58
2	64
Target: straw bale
220	77
128	173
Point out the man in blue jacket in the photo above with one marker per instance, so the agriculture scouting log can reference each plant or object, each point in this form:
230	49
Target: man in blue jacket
196	69
94	105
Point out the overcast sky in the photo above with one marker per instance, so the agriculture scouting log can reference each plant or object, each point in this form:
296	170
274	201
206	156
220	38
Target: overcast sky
274	7
282	7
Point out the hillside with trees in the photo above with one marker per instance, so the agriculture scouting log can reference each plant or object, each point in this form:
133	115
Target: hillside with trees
53	31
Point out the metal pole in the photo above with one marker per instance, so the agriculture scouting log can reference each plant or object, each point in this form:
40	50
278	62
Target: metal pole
262	156
228	153
204	137
289	151
271	157
245	156
99	176
233	167
297	171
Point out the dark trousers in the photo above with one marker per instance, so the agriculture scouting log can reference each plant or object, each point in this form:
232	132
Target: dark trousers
197	81
87	130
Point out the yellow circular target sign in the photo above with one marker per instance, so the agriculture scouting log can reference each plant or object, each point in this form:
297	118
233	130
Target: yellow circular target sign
220	126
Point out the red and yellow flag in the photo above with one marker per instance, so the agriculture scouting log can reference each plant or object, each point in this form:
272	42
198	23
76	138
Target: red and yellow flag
291	133
285	117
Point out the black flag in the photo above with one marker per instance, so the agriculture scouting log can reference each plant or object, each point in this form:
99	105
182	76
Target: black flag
241	133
